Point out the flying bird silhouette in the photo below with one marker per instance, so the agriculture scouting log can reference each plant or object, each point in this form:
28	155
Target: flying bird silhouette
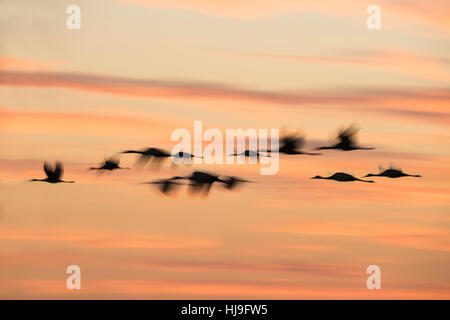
392	173
157	156
109	165
293	142
54	175
342	177
178	157
346	140
198	182
233	181
250	154
166	186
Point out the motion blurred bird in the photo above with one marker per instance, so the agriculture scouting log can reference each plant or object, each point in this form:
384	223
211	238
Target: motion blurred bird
109	164
392	173
150	154
233	181
166	186
342	177
346	140
179	157
54	175
249	153
292	143
198	182
256	155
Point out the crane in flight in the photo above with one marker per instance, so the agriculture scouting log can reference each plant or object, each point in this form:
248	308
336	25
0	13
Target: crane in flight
55	174
342	177
346	140
391	173
109	164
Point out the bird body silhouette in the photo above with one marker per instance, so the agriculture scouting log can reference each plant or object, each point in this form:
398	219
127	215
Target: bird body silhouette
156	154
250	153
291	144
54	175
165	185
198	181
342	177
181	156
346	140
109	165
392	173
233	181
150	152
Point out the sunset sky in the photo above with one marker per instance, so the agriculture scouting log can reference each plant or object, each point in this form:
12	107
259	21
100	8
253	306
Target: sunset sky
139	69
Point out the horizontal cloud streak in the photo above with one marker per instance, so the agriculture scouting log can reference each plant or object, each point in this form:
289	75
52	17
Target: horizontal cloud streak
409	236
362	99
404	63
89	238
433	13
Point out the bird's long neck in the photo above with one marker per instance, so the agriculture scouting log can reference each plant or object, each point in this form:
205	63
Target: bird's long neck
134	151
365	148
326	148
312	153
374	175
38	180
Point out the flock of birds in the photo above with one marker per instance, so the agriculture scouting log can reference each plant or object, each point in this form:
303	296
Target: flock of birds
201	182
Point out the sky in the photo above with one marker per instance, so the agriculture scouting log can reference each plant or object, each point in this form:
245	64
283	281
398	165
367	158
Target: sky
137	70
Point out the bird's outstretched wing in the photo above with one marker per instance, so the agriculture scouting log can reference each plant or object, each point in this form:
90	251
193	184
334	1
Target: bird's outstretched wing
166	186
59	170
158	152
293	141
347	135
392	166
48	170
114	161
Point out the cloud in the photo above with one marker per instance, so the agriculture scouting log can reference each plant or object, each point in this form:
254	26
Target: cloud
406	101
23	64
431	13
202	289
87	124
407	236
88	238
397	62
